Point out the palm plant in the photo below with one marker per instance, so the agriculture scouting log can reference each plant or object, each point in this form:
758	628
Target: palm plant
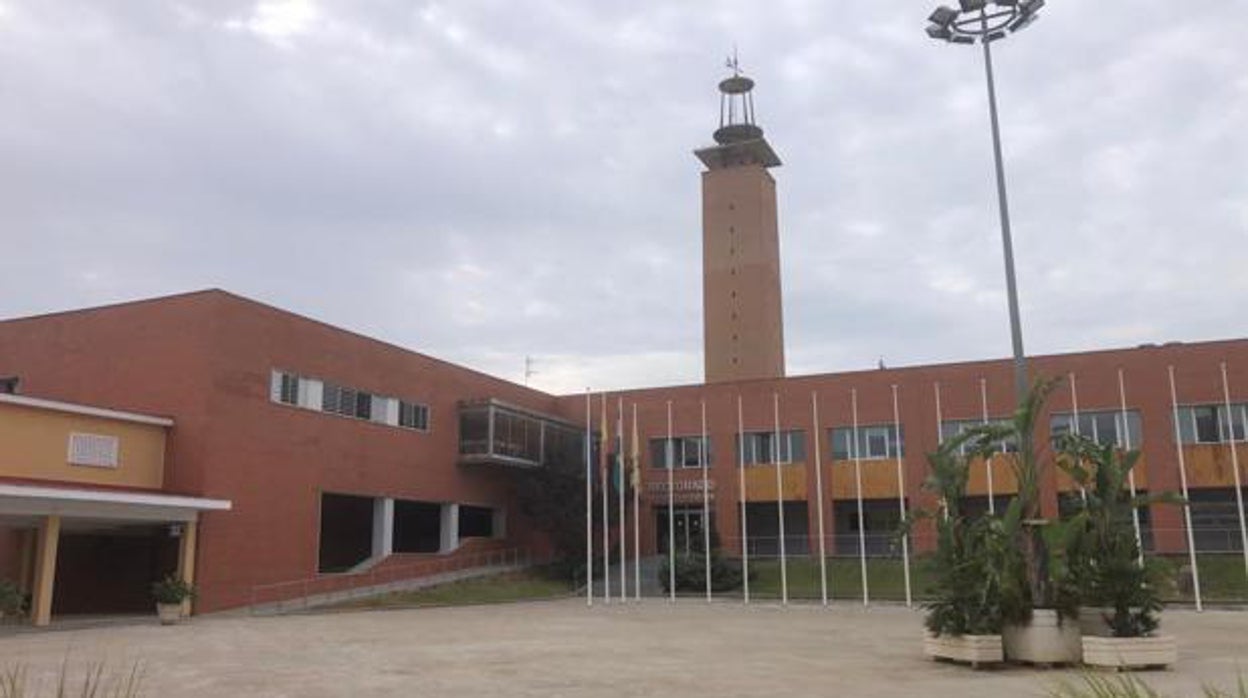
966	571
1034	567
1106	560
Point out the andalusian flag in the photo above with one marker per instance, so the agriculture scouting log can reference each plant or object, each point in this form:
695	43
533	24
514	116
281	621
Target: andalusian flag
635	455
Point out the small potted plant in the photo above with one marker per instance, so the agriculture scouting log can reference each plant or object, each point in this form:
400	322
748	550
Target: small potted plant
170	593
12	601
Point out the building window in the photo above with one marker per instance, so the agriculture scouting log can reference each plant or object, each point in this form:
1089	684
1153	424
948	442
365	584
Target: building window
413	416
1208	424
476	522
322	396
1106	428
763	448
285	388
953	428
875	442
685	452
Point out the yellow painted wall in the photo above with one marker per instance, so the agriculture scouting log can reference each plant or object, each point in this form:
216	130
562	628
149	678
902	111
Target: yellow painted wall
1210	465
760	482
34	444
879	479
1003	480
1065	484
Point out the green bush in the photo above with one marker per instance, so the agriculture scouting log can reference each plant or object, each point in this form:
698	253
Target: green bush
691	573
12	601
172	590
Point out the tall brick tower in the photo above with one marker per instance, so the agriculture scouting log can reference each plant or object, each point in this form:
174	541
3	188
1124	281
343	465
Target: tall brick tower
743	327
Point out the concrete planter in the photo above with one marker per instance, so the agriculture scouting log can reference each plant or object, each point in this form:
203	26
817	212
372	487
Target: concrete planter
1130	652
169	613
975	650
1047	639
1092	622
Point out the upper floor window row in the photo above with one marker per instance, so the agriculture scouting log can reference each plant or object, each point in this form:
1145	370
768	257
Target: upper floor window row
683	451
770	447
952	428
874	442
1209	424
1107	428
323	396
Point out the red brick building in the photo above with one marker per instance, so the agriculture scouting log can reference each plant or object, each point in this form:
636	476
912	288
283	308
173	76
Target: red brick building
341	455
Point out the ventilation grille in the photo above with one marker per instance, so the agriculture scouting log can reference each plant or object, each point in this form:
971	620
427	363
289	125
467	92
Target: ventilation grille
94	450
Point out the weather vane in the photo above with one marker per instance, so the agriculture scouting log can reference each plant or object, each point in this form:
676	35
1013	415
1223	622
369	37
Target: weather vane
734	63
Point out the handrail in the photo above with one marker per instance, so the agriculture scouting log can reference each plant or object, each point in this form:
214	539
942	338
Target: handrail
276	593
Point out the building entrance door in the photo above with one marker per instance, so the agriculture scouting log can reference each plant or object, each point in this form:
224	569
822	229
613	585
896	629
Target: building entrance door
688	524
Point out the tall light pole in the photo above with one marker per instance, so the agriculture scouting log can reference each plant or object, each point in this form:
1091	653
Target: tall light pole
983	22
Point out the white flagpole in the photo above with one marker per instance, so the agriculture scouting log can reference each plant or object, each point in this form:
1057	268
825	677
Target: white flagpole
983	401
775	459
606	507
940	439
1074	408
589	501
619	462
1187	503
745	535
635	479
703	451
901	494
1239	488
823	552
671	510
1126	445
862	526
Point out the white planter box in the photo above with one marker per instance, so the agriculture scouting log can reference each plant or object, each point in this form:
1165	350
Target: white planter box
169	613
1045	640
969	649
1130	652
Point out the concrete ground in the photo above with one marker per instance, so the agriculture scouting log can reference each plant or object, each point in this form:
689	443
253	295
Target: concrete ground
561	648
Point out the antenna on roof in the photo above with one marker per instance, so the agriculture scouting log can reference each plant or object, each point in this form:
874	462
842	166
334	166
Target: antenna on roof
529	371
734	63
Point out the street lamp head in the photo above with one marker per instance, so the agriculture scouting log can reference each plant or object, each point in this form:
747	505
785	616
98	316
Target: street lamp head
981	20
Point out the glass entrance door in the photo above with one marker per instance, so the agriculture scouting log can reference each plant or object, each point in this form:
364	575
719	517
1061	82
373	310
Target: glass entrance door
688	526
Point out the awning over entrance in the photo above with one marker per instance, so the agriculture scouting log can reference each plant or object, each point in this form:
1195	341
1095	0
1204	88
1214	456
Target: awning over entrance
42	512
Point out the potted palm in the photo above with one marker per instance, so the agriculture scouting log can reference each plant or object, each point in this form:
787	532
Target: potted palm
1039	600
170	594
964	615
1121	588
12	601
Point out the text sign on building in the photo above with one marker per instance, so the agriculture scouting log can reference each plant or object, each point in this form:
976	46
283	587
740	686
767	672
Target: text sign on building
94	450
682	490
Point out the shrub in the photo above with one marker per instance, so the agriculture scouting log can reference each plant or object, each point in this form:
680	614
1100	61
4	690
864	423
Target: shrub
726	574
12	601
171	590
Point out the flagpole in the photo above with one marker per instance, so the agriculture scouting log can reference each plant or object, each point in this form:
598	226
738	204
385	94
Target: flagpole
1187	503
775	459
862	526
901	494
983	401
745	536
606	506
589	500
704	451
1126	432
619	463
1074	406
940	439
1239	488
823	553
671	511
636	482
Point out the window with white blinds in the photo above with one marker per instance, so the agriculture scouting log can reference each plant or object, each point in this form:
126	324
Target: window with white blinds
289	388
93	450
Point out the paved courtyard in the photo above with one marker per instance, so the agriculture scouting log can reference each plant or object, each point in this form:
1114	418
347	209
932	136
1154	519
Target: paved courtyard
560	648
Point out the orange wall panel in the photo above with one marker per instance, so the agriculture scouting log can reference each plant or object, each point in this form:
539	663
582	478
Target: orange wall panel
34	444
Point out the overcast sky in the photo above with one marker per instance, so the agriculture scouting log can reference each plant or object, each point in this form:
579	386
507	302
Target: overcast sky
483	180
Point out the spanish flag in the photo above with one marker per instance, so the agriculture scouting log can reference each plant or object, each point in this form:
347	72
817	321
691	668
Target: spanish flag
635	475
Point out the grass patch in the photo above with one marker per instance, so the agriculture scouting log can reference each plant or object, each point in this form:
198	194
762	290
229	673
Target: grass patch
885	579
1222	578
511	586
